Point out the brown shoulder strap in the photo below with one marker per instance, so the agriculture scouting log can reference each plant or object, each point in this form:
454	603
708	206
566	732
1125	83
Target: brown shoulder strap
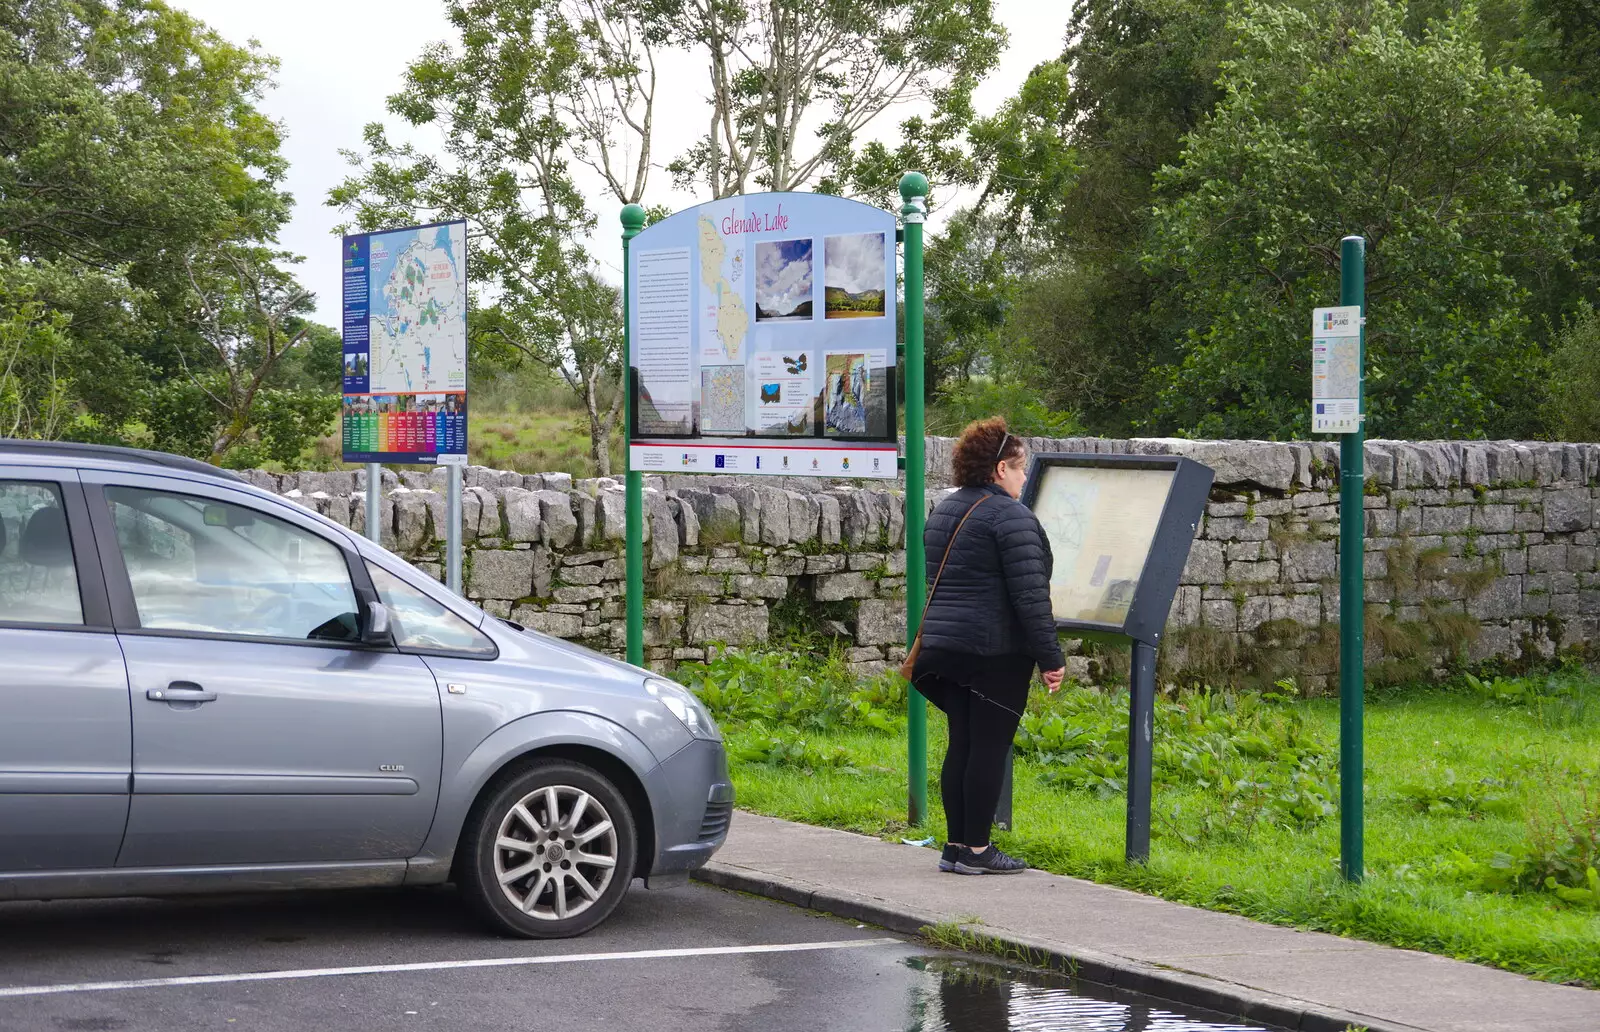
948	546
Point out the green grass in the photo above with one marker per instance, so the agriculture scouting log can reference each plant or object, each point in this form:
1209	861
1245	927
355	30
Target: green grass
1453	779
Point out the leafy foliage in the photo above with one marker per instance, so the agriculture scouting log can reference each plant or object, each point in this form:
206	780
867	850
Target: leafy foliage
1433	155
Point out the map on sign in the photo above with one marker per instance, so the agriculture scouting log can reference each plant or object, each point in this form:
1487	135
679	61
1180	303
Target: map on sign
417	310
725	319
1101	524
404	336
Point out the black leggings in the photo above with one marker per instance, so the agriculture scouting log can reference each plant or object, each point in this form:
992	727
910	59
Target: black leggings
984	701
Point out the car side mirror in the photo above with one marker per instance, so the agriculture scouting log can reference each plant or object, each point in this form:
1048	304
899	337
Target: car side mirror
377	630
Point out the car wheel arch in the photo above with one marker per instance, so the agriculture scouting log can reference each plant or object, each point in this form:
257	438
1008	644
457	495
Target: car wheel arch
606	752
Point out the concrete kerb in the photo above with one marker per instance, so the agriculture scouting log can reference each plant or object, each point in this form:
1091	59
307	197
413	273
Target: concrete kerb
1103	969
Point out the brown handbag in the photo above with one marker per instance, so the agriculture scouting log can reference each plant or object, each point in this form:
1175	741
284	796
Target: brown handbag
910	664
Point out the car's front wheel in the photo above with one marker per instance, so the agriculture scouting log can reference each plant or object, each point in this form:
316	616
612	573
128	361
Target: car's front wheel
551	851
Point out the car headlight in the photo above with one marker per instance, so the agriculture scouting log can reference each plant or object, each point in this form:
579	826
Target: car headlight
683	704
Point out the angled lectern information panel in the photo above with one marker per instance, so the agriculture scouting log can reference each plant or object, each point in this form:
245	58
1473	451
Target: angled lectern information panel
1120	527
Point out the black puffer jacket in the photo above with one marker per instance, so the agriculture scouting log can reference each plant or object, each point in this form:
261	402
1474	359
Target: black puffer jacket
994	597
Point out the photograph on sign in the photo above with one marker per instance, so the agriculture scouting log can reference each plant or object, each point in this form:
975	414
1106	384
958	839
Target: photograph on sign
765	317
1101	523
405	344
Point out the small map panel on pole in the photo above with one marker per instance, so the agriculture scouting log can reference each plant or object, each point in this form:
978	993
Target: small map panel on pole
762	339
405	345
1336	370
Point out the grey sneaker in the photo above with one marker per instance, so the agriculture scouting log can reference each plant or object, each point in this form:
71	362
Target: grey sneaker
947	858
991	861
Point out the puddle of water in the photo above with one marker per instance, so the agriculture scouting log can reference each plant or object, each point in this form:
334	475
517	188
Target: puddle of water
966	995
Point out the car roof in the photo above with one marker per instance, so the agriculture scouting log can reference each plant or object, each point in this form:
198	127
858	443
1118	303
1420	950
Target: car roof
101	453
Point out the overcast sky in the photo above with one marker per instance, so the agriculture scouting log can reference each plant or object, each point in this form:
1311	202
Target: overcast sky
341	59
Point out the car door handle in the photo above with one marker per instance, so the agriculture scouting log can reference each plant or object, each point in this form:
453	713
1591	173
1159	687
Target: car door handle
180	691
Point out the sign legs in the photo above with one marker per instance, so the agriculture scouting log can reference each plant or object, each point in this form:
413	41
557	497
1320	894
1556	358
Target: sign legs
1141	733
452	529
374	502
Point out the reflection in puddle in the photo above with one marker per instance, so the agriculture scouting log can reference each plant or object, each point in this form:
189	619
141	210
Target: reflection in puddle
964	995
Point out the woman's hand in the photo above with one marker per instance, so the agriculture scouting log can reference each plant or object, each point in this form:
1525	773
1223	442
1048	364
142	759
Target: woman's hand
1052	679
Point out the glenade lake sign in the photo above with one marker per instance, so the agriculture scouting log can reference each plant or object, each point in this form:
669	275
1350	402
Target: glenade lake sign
762	339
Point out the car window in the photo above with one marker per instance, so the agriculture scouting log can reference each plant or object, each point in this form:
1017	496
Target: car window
202	565
38	578
421	623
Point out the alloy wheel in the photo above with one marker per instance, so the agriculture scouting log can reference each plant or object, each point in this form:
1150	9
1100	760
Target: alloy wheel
555	852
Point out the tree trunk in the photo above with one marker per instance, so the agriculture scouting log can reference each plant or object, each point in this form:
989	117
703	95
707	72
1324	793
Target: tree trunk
600	447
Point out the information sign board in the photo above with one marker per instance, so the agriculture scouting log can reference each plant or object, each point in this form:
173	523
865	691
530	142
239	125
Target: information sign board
405	344
1120	528
762	339
1336	370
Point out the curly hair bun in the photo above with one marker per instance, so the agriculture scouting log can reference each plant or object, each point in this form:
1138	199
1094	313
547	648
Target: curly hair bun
978	451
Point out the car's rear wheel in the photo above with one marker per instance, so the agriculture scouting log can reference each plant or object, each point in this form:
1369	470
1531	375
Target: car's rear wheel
551	851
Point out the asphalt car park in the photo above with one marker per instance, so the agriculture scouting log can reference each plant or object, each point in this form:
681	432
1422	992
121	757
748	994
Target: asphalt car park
688	958
693	958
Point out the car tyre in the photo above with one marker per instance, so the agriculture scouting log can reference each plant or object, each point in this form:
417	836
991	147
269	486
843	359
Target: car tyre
550	851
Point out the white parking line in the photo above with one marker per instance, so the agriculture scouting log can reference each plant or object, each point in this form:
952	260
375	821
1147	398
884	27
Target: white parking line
435	965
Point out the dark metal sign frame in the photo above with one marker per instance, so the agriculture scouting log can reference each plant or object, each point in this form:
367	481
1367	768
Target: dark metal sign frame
1146	621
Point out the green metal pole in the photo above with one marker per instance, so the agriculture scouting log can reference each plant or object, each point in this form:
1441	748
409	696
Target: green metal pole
632	223
914	192
1352	582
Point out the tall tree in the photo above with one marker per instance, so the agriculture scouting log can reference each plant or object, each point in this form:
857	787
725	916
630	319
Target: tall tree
130	137
531	90
794	83
1336	121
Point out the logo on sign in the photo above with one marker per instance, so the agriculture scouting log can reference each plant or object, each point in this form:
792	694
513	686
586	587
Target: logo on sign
722	461
846	462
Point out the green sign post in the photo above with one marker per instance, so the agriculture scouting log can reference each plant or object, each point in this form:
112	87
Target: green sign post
914	192
1352	579
633	217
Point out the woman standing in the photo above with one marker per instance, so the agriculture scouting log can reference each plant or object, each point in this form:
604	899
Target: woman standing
988	624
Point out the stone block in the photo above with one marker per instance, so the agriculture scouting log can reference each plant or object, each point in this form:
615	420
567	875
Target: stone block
663	536
1253	573
575	595
804	516
749	501
1494	519
761	587
729	625
880	622
816	564
1310	561
836	587
1236	528
560	522
1221	614
1568	510
1381	522
480	513
1581	558
558	625
1205	565
786	564
774	516
583	576
612	507
1446	519
410	519
733	564
1305	610
1501	600
830	520
1547	558
524	515
1255	612
500	574
863	561
1185	607
587	510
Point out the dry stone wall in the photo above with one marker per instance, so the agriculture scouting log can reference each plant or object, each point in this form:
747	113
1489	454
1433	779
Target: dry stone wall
1476	551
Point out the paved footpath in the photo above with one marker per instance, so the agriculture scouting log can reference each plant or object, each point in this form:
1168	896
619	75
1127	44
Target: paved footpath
1278	976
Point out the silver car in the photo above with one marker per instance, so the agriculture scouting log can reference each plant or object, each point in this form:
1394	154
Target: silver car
207	688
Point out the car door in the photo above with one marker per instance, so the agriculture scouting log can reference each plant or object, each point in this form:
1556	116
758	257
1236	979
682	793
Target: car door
264	730
65	749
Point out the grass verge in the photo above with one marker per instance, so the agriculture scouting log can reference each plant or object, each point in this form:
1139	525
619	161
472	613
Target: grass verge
1474	800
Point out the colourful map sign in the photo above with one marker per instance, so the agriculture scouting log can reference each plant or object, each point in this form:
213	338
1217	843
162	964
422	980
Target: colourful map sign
405	344
762	338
